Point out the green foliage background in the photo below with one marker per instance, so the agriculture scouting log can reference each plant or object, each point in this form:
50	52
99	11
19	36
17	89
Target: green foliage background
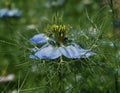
98	74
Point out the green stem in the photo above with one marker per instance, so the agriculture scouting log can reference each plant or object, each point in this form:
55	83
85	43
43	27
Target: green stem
60	80
111	6
116	82
113	15
60	77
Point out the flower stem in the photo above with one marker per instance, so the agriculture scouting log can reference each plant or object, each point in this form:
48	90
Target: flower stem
116	82
60	76
113	14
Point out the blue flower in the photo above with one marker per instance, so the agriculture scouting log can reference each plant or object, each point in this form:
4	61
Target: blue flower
56	46
7	13
50	52
55	3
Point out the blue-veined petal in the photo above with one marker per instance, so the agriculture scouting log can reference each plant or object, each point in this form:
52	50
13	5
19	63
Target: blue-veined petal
69	51
64	52
75	51
39	39
82	52
48	52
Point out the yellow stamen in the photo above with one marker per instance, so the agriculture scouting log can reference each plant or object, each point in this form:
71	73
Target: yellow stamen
59	32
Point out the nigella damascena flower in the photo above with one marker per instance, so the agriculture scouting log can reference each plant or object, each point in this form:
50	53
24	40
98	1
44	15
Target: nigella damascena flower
55	3
9	12
57	44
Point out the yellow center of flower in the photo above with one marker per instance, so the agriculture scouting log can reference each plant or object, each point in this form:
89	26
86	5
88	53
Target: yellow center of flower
8	5
59	33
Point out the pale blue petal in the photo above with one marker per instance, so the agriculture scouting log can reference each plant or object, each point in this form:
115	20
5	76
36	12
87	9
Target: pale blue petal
33	57
75	51
3	12
82	52
88	54
48	52
14	13
64	52
51	52
85	53
35	49
69	51
39	39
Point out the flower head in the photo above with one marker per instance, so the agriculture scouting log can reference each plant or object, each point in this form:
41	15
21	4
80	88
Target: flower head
59	48
55	3
9	12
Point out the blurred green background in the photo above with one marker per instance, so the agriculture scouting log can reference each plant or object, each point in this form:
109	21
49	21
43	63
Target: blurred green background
90	21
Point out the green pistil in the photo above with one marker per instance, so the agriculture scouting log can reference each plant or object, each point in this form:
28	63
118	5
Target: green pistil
59	33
